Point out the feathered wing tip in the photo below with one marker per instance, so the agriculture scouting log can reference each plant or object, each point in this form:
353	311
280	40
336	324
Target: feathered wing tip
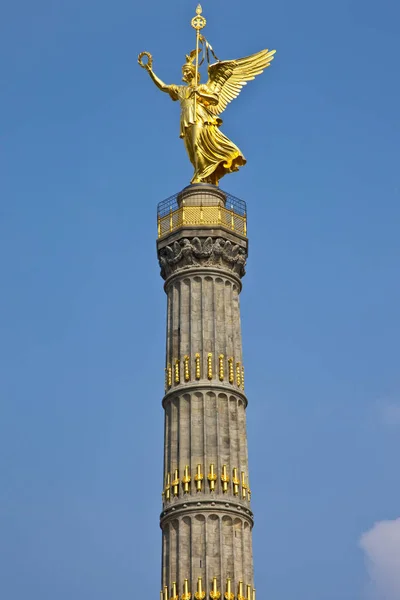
253	65
227	78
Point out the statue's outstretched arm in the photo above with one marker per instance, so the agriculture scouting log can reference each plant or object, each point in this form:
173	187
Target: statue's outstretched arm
159	83
172	90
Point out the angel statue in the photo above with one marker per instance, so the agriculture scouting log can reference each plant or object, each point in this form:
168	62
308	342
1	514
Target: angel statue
211	153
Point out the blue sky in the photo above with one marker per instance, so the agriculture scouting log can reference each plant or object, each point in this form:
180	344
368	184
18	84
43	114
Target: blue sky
89	146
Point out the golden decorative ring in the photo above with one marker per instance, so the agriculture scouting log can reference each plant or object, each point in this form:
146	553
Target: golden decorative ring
198	22
149	63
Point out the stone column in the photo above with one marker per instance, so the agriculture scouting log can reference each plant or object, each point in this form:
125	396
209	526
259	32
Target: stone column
206	519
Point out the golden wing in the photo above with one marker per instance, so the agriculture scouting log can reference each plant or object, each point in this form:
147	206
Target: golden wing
227	77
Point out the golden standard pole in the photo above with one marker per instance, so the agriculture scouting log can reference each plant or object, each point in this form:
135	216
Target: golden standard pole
198	22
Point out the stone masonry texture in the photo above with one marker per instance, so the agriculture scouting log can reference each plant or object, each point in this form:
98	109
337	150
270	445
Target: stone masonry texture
205	533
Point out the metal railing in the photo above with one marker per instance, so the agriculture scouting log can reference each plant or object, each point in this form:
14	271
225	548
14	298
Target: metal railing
231	213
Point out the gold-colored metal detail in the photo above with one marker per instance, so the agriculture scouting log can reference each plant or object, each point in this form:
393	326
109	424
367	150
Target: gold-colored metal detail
221	367
186	479
165	592
197	365
167	489
215	594
254	594
242	378
209	366
183	212
197	215
186	367
186	594
240	591
198	22
224	479
211	153
199	478
177	371
161	595
244	486
238	375
149	63
200	594
169	376
230	366
175	483
248	490
212	478
228	593
174	594
248	592
235	482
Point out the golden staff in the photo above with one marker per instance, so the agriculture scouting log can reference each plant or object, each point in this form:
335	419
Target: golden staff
198	23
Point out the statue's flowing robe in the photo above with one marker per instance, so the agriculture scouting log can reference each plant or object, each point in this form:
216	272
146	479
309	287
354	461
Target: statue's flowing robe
211	153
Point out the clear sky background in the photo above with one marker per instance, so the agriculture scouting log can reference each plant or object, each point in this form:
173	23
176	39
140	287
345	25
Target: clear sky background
88	148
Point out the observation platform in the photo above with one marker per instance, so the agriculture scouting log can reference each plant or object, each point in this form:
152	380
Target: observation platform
202	205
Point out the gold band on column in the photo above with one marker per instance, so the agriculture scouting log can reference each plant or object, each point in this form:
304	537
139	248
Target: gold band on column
186	594
200	593
238	375
177	371
209	366
167	489
212	477
228	593
230	366
175	483
215	594
240	591
224	480
169	375
186	367
221	367
199	478
244	487
197	366
174	593
235	482
186	479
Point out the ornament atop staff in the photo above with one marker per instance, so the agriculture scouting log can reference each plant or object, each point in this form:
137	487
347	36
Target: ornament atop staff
211	153
198	22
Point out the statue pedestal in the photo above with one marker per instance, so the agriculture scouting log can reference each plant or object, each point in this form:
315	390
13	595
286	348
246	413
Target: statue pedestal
201	194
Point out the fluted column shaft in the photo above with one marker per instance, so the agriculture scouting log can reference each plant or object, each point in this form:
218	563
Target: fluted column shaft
203	316
206	519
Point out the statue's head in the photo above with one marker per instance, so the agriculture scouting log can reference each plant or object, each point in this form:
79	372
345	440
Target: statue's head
189	70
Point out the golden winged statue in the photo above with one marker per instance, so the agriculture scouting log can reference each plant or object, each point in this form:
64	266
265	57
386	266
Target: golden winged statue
211	153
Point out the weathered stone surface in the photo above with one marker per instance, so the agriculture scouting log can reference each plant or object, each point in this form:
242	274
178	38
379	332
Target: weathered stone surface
217	252
207	545
205	533
203	316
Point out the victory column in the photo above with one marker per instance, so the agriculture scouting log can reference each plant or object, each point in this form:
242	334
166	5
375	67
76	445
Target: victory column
206	519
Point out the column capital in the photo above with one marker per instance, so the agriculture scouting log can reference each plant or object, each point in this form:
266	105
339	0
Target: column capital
197	249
